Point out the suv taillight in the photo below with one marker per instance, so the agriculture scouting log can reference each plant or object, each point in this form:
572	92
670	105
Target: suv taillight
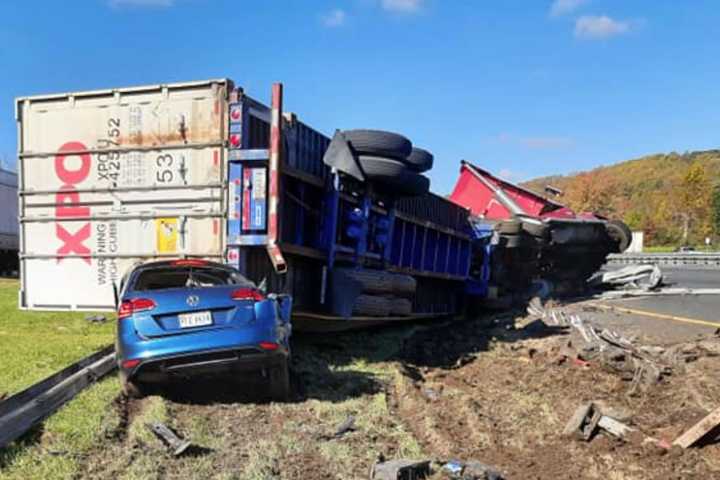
247	294
128	307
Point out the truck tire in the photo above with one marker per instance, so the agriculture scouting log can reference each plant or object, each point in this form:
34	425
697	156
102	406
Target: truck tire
380	143
404	284
419	160
619	232
400	307
371	281
280	382
393	176
371	306
511	227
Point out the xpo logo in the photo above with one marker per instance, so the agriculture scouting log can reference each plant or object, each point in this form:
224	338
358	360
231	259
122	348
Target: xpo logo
67	201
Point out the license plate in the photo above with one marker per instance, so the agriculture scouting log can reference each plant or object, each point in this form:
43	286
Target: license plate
198	319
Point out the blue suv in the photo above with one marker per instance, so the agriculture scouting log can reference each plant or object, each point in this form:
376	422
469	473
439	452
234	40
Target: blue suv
186	318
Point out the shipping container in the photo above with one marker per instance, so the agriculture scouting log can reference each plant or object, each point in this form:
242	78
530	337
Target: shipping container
8	221
114	177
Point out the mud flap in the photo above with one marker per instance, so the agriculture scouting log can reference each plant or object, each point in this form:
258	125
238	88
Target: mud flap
340	156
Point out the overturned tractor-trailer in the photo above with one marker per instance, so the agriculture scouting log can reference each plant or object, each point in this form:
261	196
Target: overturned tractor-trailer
537	238
348	227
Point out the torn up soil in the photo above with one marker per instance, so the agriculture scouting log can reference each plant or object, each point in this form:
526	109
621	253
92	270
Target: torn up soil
475	390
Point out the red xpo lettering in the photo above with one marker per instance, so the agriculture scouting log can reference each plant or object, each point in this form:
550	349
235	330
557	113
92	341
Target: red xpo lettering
67	201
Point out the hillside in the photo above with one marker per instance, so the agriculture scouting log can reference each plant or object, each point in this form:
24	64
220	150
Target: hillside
669	196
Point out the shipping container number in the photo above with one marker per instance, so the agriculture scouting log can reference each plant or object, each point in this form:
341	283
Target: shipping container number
165	173
109	162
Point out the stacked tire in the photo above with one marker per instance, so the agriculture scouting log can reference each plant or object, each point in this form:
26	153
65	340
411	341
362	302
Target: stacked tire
390	162
383	294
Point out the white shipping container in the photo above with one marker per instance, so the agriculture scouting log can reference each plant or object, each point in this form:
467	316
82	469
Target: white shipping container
110	178
8	211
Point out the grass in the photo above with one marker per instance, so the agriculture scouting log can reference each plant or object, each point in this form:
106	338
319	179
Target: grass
672	248
34	345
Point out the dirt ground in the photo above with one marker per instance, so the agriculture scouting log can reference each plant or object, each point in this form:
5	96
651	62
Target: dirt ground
483	390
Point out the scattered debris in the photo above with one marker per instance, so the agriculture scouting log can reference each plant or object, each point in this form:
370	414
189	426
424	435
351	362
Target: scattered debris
699	430
347	426
472	470
589	418
169	438
638	277
401	470
96	318
640	364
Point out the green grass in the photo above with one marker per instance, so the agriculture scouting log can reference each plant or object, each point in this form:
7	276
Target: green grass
34	345
672	248
54	450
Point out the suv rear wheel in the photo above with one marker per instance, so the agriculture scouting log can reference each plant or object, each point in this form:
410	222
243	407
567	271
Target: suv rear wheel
280	382
132	389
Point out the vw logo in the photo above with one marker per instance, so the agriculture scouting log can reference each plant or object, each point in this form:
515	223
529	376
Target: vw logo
192	300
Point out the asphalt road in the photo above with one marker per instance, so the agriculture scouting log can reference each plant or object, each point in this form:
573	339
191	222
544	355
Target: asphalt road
696	314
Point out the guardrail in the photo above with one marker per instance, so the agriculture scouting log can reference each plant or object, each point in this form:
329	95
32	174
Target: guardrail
704	260
31	406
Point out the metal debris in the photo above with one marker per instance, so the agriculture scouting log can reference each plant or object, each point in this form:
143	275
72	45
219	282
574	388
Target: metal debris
636	363
642	277
589	419
401	470
96	318
168	437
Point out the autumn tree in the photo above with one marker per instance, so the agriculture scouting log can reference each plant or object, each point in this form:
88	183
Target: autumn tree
693	207
716	211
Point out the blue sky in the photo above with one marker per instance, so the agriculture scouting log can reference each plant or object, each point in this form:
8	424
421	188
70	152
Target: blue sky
524	88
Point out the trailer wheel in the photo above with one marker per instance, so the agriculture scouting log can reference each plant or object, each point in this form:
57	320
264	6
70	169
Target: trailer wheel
401	307
394	175
404	284
372	281
280	382
380	143
372	306
619	232
419	160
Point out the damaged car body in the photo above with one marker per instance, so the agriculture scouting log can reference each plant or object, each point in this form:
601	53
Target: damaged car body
186	318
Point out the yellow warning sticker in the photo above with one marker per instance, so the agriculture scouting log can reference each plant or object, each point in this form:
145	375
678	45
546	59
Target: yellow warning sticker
167	235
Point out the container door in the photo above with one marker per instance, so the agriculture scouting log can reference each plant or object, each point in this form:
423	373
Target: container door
112	178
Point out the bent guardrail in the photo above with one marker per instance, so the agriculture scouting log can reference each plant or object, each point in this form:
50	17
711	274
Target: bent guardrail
25	409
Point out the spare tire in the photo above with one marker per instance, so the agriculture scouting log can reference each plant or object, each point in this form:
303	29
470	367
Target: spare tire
394	176
400	307
372	281
372	306
420	160
619	232
380	143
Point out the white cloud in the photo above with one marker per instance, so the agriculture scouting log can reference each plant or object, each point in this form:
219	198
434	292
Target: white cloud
596	27
334	18
141	3
563	7
402	6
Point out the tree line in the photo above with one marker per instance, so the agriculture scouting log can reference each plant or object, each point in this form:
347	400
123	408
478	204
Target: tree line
674	198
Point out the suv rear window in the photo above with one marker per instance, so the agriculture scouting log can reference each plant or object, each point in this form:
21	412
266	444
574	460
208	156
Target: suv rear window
162	278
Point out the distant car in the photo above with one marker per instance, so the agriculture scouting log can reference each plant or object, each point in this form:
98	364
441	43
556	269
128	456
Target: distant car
685	249
188	318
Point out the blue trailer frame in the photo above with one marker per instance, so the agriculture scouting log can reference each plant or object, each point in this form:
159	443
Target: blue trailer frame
325	219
